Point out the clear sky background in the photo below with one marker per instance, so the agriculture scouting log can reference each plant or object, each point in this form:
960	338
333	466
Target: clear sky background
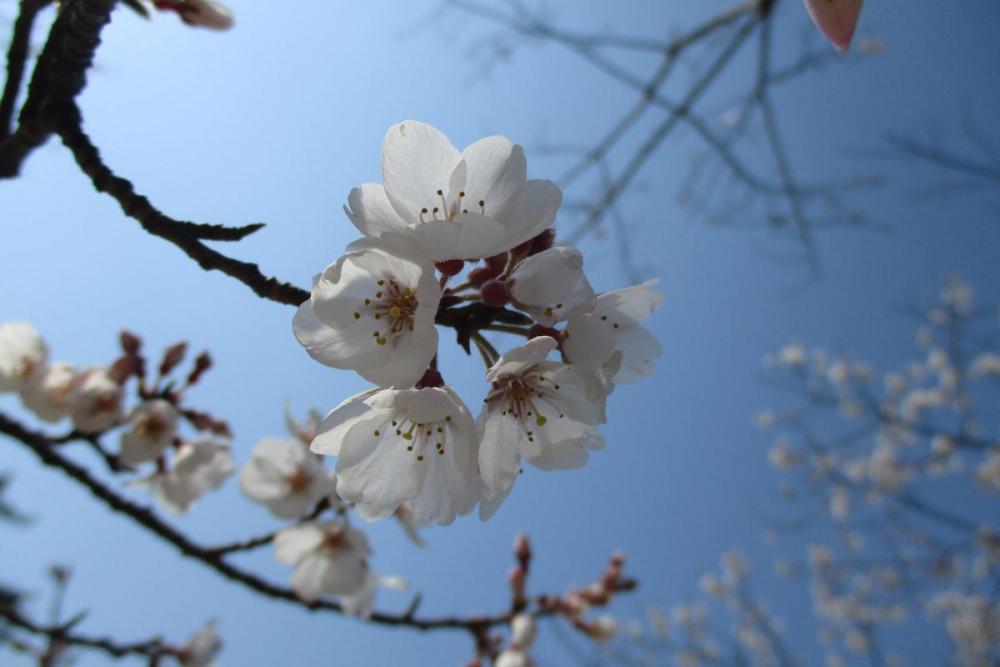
277	119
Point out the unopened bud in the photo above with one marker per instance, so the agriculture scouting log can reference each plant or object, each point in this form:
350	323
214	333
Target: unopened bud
450	267
522	548
201	364
538	330
481	274
431	378
130	342
206	13
172	356
516	578
494	293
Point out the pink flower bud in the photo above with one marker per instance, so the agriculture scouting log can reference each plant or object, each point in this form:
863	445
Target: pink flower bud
836	19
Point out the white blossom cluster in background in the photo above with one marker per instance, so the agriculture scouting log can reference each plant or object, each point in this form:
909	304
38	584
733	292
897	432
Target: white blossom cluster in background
411	440
905	465
726	625
94	399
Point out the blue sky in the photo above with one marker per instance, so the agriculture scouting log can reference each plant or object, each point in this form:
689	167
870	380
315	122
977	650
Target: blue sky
277	119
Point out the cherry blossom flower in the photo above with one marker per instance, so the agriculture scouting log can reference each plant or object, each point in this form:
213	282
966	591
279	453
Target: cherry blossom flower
615	325
523	631
200	466
23	353
99	402
540	410
514	657
202	649
417	446
459	205
52	392
286	477
329	558
551	285
372	311
153	425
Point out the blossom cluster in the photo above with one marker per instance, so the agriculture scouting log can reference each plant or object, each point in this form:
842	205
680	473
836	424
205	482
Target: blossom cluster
94	399
411	440
906	465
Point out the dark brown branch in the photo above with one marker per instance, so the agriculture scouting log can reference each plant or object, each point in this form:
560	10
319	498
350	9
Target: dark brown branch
62	634
46	451
17	57
59	76
184	235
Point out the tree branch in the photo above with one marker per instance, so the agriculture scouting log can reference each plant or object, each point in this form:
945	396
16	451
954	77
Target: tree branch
44	448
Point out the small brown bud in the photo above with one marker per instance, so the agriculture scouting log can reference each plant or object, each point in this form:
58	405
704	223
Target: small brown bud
494	293
172	356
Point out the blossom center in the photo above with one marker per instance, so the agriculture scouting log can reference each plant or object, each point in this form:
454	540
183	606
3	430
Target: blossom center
446	211
393	306
518	396
418	436
149	427
299	480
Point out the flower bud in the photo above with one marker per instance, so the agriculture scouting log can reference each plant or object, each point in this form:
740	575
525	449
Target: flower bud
450	267
495	293
431	378
522	548
481	274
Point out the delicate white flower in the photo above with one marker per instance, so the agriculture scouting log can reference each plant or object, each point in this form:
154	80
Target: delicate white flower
840	503
985	363
782	456
735	566
99	402
540	410
513	657
604	628
551	285
200	466
52	392
710	585
284	475
614	325
523	631
820	557
988	472
329	558
918	401
372	311
464	205
792	354
417	446
153	427
23	353
202	649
